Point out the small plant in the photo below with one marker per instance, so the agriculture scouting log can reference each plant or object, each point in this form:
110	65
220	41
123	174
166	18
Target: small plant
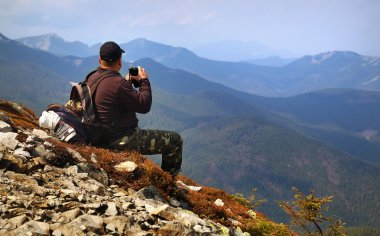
307	212
250	202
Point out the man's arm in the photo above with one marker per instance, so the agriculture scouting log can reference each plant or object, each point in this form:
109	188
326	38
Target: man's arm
137	101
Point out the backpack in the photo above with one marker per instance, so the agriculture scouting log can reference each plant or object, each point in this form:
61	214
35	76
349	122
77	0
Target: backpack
78	121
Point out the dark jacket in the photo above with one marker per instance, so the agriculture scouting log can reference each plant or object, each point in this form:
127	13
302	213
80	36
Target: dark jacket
117	102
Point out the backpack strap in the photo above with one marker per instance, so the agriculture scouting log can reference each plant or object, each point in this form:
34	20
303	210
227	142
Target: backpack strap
89	92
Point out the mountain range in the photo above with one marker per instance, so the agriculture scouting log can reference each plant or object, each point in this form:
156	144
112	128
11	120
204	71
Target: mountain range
237	140
335	69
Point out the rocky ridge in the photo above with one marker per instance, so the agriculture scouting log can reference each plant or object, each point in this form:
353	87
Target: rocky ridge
52	188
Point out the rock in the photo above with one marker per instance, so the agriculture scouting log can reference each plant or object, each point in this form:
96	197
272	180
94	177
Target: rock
81	226
40	150
15	163
192	188
9	140
126	166
40	133
76	155
32	228
111	209
91	186
117	223
155	210
149	192
252	214
202	229
5	127
219	203
5	118
99	175
93	158
21	152
67	216
16	221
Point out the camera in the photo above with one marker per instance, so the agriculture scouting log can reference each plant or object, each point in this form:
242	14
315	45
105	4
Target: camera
133	71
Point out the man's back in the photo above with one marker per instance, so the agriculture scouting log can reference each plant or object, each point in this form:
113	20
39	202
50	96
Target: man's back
117	102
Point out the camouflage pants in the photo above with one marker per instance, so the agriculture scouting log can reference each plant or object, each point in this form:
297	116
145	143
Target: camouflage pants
150	142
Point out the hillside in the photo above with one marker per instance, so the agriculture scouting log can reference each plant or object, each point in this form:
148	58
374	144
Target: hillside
13	51
244	152
345	118
51	188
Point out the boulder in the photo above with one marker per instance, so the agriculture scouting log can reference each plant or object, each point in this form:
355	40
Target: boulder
5	127
9	140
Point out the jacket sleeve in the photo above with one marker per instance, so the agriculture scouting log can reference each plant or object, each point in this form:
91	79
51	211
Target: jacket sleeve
138	101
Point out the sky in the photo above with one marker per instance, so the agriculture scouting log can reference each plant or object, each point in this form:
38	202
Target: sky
298	26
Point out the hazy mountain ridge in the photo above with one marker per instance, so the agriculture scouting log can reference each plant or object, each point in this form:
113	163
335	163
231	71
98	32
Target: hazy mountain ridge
335	69
55	44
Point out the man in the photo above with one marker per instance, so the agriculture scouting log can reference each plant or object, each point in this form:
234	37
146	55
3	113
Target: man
116	103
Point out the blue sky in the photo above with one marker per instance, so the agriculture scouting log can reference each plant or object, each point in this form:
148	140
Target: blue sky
299	26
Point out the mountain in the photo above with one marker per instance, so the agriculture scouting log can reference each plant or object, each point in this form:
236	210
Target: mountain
270	61
245	150
13	51
233	141
336	69
347	119
234	50
56	45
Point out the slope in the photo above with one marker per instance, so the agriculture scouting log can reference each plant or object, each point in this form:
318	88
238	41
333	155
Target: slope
345	118
246	151
13	51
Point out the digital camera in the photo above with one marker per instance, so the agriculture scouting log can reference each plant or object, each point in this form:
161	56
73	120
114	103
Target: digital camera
133	71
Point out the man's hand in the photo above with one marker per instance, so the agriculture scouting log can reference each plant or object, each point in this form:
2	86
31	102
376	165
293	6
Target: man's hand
142	74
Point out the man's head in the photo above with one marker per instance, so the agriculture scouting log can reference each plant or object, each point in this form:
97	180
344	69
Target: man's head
110	54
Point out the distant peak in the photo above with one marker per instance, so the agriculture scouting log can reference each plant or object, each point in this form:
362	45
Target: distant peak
3	38
322	57
318	59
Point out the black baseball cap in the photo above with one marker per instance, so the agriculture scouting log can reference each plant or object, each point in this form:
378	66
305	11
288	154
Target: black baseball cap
110	51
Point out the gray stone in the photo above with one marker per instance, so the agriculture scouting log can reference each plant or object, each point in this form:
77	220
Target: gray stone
5	118
9	140
149	192
40	150
98	174
67	216
126	166
219	203
16	222
91	186
93	158
5	127
78	157
34	227
40	133
117	223
111	209
21	152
